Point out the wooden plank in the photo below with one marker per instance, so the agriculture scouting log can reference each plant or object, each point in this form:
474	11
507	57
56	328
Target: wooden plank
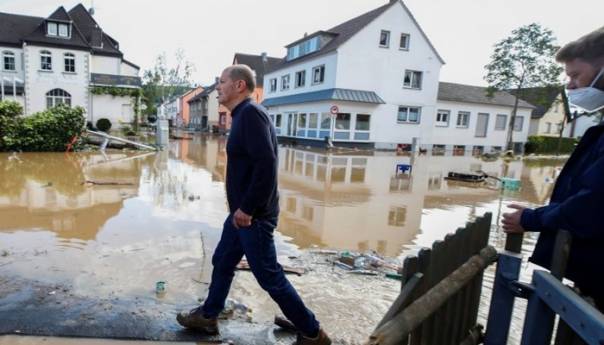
424	257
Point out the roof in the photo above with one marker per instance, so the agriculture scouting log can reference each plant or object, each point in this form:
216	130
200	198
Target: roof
345	31
86	34
324	95
541	97
476	94
257	63
100	42
205	93
14	27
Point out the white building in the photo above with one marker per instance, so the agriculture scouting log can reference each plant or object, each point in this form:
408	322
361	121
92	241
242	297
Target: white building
468	120
371	81
204	109
66	58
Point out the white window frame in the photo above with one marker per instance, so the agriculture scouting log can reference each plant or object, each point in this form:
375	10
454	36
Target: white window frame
505	122
9	55
465	114
406	120
440	113
285	79
361	131
412	76
321	73
45	65
57	96
52	29
69	57
387	45
516	122
273	85
300	82
65	26
407	38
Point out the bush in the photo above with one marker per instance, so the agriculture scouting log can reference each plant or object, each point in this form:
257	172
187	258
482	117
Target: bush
103	125
549	145
49	130
9	120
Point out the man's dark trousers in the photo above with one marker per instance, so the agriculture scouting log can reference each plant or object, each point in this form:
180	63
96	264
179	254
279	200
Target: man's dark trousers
256	242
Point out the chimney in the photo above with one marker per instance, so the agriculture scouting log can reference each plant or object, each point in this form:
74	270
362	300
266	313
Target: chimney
217	80
264	57
393	1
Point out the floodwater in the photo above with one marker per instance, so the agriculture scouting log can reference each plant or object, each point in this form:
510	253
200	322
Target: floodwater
148	217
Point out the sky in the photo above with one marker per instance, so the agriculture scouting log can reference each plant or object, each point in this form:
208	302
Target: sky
211	31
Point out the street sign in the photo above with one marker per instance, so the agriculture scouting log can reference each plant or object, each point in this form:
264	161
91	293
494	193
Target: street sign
334	110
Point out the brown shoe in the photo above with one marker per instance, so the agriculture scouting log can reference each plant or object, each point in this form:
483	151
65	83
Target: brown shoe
195	320
321	339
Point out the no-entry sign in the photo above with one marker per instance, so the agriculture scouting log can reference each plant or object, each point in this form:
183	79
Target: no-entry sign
334	110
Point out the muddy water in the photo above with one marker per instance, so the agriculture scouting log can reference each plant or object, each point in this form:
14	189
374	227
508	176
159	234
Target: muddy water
157	217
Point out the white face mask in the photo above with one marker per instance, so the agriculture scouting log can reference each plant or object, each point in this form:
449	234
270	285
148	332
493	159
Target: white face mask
588	98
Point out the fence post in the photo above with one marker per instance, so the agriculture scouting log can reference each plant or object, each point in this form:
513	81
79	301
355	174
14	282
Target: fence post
502	298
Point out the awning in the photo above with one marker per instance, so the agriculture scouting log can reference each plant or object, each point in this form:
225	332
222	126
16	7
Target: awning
326	95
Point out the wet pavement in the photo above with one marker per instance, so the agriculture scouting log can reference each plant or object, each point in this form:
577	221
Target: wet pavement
102	246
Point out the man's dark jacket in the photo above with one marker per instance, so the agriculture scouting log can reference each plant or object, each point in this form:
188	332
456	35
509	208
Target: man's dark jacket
576	205
251	181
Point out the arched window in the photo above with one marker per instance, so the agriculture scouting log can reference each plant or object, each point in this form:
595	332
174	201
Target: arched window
69	62
8	60
57	96
45	60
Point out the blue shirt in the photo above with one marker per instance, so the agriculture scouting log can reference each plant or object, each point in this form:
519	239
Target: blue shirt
251	181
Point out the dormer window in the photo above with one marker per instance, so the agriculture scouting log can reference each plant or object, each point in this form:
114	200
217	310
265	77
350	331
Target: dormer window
56	29
306	47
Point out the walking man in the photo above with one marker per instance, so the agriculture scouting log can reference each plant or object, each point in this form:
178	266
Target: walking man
251	185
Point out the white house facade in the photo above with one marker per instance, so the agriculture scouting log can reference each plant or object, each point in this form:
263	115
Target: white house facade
371	81
66	58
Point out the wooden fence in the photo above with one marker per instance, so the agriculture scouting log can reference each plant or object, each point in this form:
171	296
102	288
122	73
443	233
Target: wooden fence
441	288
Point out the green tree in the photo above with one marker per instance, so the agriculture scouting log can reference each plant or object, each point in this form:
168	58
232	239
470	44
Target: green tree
524	59
163	82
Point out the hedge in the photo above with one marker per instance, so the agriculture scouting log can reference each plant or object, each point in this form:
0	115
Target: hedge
549	145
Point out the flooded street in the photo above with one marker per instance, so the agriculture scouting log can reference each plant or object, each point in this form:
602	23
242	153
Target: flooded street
144	218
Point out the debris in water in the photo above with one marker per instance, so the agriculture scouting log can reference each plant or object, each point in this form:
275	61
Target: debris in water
109	183
244	265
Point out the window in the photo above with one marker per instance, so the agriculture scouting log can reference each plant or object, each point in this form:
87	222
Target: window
385	39
8	61
408	114
285	82
63	30
278	120
413	80
273	83
57	96
362	123
318	74
442	118
325	121
69	63
500	122
404	45
300	78
302	120
518	122
343	121
45	60
51	29
313	120
558	128
548	127
463	119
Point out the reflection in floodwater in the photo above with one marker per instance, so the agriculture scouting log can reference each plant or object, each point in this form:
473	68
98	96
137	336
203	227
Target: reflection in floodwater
163	217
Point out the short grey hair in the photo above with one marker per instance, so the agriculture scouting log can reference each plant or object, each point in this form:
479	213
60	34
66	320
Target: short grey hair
245	73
